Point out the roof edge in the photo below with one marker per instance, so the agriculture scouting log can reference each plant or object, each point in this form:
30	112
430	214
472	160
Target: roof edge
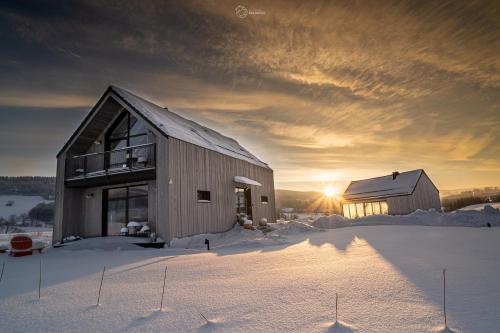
85	120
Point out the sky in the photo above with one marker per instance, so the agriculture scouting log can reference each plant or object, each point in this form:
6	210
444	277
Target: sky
324	91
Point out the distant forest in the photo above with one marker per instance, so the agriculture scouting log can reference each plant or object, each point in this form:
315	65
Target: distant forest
28	185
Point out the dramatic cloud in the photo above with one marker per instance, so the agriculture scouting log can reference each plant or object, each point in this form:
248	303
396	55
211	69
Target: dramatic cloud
323	91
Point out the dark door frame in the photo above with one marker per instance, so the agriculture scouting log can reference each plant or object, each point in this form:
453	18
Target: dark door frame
247	192
105	206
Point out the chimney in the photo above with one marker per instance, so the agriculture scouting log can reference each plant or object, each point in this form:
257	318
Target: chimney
394	175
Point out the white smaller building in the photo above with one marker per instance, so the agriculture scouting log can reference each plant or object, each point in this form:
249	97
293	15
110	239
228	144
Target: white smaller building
395	194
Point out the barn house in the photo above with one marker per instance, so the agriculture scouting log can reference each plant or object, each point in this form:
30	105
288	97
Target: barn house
396	194
135	167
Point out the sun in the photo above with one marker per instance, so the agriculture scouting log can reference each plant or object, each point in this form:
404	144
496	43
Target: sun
330	191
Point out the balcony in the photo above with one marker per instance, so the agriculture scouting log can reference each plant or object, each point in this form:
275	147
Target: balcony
134	163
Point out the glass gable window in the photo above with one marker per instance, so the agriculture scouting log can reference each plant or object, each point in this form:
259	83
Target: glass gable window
127	131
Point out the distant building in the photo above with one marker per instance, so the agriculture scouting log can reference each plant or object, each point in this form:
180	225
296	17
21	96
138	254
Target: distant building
396	194
134	163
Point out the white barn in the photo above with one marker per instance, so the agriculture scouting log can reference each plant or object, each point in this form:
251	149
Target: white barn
395	194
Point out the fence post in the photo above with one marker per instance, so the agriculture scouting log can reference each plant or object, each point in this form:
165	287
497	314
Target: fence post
40	278
444	297
1	274
100	286
336	305
163	291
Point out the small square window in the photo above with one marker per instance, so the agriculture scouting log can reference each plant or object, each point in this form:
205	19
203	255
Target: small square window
264	199
203	196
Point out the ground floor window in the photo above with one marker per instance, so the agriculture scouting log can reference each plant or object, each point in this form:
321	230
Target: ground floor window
125	205
360	209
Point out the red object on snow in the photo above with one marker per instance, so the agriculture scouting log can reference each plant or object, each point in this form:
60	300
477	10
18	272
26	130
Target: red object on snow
21	246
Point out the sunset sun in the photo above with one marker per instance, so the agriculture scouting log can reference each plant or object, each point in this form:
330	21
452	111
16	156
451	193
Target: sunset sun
330	191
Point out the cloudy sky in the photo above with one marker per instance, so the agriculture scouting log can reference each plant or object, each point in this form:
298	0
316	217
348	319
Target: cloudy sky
324	91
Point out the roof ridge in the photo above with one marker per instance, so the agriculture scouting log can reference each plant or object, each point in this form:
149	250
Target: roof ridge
389	175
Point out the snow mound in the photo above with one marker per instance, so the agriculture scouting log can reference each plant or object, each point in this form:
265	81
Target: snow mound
293	228
339	327
488	209
104	244
237	235
481	206
446	329
330	222
470	218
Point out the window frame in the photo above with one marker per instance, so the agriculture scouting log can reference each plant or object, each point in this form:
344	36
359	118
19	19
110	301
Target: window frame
203	200
266	201
126	197
110	139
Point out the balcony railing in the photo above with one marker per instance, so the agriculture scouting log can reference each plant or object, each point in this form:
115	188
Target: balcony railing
128	159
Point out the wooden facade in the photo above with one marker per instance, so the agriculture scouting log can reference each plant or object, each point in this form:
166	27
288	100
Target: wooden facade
182	168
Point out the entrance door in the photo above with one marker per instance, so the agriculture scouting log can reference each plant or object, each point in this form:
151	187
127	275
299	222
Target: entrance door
123	205
244	201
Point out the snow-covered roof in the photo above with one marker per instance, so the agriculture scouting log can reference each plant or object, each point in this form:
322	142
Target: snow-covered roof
245	180
403	184
171	124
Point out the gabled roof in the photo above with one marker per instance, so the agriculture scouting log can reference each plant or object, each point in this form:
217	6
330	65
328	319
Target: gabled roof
172	125
385	186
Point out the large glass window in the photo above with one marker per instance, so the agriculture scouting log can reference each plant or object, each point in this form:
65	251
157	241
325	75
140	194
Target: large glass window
355	210
360	211
368	209
127	131
126	204
384	209
345	209
352	210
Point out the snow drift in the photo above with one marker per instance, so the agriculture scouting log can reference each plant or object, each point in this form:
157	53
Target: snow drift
471	218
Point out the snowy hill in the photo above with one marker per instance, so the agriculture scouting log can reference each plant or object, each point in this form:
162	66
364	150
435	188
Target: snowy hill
495	205
388	278
20	204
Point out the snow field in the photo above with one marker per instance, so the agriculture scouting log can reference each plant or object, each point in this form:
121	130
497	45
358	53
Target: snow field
388	279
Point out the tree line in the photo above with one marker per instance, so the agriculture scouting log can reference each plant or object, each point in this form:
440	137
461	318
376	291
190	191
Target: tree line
28	185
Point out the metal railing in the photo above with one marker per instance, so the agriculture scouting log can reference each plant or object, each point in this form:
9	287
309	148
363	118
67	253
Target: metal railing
133	158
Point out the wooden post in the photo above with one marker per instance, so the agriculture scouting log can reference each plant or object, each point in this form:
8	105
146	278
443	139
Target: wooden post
40	278
444	297
1	274
100	286
163	291
336	307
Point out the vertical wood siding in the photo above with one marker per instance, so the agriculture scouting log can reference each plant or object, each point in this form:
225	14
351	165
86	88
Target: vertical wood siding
425	196
191	168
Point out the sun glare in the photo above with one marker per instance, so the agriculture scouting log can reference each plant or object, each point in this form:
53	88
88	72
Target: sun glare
330	191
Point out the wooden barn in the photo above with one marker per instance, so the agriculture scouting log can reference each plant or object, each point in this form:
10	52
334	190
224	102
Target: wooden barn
135	167
396	194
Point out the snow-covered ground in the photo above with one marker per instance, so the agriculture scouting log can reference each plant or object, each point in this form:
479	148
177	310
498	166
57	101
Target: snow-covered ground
388	278
481	206
22	204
